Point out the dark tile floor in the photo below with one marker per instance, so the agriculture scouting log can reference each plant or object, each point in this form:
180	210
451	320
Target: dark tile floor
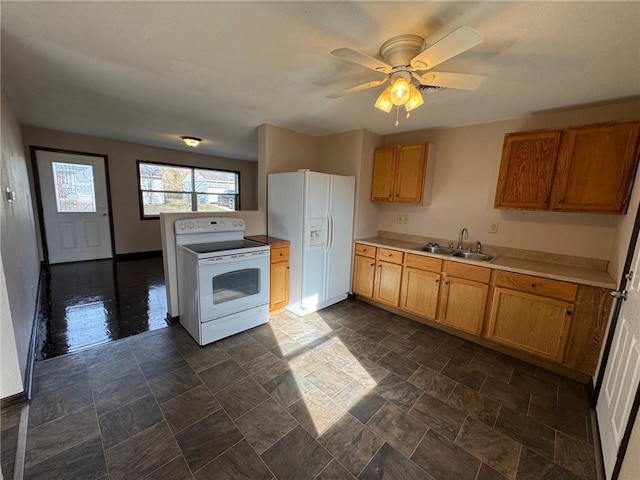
348	392
85	304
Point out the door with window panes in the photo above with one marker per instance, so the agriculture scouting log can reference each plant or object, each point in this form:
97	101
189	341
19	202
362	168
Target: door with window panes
75	207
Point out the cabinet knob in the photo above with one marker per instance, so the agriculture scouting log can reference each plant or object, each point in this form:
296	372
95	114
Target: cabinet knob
533	285
372	265
437	280
569	312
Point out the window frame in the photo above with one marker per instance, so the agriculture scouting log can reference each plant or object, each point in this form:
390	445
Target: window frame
192	193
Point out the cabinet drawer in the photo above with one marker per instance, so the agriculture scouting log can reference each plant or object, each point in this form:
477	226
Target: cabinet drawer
279	254
537	285
470	272
391	256
365	250
424	263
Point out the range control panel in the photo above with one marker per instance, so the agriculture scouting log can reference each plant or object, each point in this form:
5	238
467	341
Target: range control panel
208	224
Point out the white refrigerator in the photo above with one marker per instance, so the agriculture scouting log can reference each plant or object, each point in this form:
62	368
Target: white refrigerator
314	211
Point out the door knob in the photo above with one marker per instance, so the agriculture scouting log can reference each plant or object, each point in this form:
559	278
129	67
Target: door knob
617	294
629	276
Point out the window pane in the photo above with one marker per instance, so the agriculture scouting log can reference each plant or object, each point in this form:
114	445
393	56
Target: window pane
161	177
74	187
212	181
209	203
156	202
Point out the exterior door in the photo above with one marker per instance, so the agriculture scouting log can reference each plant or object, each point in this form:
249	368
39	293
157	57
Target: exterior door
622	372
75	207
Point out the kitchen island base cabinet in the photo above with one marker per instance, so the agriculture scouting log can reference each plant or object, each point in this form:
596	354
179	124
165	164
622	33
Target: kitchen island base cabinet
532	323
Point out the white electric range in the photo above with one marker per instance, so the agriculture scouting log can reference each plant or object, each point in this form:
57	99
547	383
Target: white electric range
223	279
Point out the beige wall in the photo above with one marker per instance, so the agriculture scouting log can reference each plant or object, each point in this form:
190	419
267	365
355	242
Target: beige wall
131	233
466	171
351	154
19	251
281	150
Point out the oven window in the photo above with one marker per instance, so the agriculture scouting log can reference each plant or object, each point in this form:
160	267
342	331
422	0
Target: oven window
235	285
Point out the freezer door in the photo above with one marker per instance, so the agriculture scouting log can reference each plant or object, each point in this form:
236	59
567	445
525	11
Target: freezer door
316	239
340	243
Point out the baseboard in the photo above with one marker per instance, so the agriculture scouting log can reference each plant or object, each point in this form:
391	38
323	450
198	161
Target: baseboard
31	354
137	255
595	435
13	400
172	320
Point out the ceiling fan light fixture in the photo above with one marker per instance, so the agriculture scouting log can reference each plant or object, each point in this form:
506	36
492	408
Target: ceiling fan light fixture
400	91
384	100
191	141
415	98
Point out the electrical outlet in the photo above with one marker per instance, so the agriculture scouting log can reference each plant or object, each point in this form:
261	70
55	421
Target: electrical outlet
405	218
398	218
493	227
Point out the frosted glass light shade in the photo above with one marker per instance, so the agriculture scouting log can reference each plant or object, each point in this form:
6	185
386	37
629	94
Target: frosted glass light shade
384	100
400	91
415	98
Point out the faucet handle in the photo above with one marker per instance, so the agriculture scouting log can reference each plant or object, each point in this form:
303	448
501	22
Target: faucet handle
478	247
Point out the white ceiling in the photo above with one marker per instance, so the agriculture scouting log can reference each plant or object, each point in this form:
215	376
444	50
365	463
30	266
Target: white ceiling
148	72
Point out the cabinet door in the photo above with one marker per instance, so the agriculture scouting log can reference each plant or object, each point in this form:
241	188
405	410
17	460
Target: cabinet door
535	324
596	168
384	171
363	275
279	286
526	170
387	283
410	169
463	304
420	292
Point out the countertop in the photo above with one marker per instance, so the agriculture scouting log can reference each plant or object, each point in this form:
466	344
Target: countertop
271	241
581	275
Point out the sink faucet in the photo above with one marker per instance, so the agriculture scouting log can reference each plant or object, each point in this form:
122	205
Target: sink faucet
464	235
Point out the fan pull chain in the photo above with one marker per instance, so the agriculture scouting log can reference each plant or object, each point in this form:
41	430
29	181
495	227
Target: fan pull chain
397	115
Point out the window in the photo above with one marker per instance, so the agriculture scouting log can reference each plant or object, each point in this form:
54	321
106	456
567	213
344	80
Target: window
74	187
173	188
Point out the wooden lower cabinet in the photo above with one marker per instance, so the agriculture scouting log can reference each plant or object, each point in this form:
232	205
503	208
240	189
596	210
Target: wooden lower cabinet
463	296
387	283
279	279
420	285
364	272
278	271
535	324
550	320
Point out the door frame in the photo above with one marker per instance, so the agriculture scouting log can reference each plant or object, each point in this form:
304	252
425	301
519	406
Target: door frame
36	183
624	443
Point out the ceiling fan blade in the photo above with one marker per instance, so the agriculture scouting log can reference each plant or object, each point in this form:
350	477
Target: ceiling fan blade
362	59
357	88
462	81
458	41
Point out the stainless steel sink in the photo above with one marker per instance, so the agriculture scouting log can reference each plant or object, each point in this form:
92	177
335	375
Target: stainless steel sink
481	257
438	250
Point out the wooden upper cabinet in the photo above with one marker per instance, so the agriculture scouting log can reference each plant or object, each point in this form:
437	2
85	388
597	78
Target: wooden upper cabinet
526	170
384	172
585	169
399	174
595	168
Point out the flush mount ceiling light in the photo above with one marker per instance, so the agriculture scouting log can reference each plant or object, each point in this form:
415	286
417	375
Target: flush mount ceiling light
191	141
403	59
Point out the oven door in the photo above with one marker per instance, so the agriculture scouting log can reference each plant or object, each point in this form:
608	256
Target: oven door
234	283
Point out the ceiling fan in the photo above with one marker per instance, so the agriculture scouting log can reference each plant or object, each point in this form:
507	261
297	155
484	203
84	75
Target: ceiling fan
404	59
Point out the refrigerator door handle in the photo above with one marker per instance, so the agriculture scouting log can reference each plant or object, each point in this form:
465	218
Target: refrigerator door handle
330	232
